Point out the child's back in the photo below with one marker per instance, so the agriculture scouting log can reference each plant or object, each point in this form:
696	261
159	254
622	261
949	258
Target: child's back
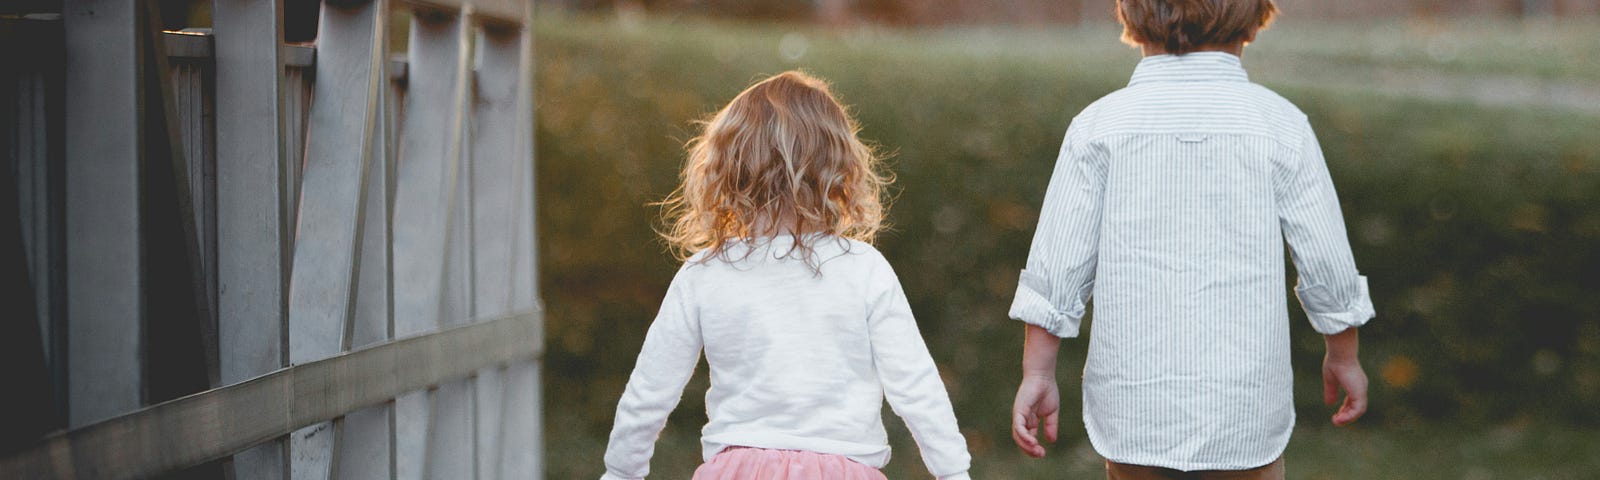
1170	203
800	359
803	322
1192	331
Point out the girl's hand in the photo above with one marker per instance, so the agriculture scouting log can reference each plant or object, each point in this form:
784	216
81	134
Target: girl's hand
1037	399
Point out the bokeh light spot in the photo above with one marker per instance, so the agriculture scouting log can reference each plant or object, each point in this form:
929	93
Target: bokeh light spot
793	46
1376	230
1546	363
949	219
1399	372
1529	217
1011	216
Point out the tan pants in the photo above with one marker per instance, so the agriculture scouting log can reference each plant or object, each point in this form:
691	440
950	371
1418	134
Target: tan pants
1122	471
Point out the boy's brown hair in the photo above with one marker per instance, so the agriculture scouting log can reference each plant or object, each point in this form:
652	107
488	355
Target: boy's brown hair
1183	26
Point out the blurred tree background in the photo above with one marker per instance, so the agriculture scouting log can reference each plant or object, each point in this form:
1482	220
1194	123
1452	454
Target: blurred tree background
1465	151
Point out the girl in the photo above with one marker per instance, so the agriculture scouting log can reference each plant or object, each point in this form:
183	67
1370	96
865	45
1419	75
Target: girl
803	323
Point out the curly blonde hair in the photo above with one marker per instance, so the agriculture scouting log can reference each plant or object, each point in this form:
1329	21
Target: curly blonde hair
781	158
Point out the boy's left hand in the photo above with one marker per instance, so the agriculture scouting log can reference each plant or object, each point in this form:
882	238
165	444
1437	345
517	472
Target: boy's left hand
1037	408
1344	374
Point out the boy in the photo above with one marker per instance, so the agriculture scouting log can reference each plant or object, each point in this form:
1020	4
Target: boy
1169	203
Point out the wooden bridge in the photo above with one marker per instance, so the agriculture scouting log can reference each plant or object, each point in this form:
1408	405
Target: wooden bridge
226	255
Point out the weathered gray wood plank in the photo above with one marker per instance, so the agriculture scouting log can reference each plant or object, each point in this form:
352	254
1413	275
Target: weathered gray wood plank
350	82
252	203
104	308
199	428
311	451
179	353
191	73
452	437
456	301
251	227
520	445
365	436
431	138
495	169
298	87
408	419
524	247
426	175
488	409
509	12
364	445
343	122
411	434
372	320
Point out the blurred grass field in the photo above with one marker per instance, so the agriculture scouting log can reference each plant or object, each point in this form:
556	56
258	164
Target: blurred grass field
1478	226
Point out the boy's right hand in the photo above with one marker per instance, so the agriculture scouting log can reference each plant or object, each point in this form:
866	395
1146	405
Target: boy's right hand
1037	399
1341	370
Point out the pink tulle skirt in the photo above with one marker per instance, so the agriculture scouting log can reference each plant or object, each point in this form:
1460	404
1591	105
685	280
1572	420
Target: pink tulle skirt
742	463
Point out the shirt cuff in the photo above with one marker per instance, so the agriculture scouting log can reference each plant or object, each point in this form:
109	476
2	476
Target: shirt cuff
1330	314
1032	305
956	476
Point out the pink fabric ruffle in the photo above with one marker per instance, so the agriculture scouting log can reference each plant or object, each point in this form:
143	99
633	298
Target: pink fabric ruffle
741	463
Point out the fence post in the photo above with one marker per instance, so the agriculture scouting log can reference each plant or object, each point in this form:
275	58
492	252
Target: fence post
314	244
350	82
493	165
522	444
105	311
252	227
432	427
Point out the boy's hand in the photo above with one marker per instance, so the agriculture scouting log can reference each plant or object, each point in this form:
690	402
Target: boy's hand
1341	370
1037	399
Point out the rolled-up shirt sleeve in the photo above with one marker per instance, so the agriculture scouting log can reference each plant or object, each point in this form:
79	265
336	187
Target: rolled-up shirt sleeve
1333	293
1054	288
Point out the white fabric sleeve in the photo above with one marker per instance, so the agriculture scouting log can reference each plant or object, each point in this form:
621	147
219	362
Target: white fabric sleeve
667	360
910	379
1333	293
1054	289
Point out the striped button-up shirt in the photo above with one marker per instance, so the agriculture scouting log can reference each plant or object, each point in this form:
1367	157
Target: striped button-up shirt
1169	204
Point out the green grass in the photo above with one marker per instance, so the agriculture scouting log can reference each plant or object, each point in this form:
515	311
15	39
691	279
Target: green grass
1552	48
1314	453
1477	226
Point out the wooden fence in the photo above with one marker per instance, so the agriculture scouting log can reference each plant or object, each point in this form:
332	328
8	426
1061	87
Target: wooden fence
228	256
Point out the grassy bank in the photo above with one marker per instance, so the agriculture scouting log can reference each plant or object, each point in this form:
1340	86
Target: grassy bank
1315	453
1478	228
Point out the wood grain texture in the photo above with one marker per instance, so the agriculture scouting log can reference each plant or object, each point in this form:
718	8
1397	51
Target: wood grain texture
351	80
452	437
104	304
495	168
522	443
207	426
425	193
252	204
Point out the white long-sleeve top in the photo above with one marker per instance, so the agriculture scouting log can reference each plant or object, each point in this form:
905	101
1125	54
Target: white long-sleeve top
1170	204
799	360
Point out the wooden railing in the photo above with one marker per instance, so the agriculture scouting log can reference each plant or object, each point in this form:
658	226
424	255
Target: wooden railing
256	259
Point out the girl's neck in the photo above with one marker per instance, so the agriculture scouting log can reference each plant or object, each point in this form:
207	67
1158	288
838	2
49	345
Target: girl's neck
769	228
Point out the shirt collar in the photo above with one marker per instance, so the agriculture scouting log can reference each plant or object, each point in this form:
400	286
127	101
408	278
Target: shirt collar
1190	67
